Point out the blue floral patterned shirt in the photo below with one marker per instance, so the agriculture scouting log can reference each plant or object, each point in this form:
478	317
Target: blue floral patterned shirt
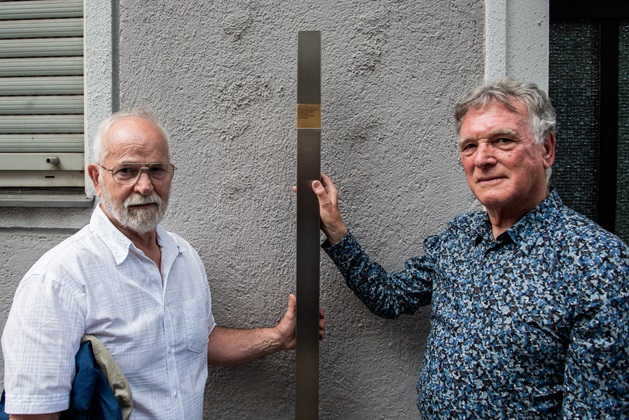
533	324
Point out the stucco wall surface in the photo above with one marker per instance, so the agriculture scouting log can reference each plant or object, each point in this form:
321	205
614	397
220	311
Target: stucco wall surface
221	75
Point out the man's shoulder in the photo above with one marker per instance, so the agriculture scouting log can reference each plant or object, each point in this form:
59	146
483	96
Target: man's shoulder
459	229
77	243
584	246
579	229
76	248
467	221
562	221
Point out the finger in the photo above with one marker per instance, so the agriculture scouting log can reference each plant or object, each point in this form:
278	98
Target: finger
322	329
292	304
322	324
329	186
325	179
291	310
319	190
317	185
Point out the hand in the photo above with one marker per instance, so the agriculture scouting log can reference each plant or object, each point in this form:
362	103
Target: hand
286	326
331	221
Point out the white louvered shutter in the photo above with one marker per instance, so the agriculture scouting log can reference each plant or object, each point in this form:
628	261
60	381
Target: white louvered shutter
41	94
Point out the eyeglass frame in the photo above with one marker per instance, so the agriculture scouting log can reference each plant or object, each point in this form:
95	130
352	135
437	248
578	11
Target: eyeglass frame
141	169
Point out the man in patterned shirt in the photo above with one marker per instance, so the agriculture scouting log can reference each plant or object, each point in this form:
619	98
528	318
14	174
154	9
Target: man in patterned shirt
530	300
140	290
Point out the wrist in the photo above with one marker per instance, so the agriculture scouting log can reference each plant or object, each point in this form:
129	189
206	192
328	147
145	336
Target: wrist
335	235
278	341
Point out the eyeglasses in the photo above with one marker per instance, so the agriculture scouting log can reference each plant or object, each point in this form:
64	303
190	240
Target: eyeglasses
129	173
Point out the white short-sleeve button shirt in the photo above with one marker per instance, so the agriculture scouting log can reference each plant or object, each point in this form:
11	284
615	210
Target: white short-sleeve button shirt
154	323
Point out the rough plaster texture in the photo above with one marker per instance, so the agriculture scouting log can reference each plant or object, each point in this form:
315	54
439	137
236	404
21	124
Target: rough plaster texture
222	77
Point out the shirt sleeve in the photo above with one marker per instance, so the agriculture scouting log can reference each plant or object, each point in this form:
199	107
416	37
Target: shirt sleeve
211	322
597	367
387	295
40	340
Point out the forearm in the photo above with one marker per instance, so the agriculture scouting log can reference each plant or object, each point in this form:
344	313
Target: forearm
230	346
387	295
51	416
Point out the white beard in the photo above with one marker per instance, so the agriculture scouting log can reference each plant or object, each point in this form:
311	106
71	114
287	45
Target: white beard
138	220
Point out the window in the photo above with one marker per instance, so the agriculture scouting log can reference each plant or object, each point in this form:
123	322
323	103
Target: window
589	85
41	103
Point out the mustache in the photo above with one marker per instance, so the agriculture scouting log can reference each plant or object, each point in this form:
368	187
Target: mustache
138	200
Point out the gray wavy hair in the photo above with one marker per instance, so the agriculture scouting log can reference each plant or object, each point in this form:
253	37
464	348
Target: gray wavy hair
540	110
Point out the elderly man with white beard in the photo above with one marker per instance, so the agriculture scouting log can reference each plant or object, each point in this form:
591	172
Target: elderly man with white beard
140	290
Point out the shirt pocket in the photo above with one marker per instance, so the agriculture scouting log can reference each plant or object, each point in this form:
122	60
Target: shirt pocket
196	328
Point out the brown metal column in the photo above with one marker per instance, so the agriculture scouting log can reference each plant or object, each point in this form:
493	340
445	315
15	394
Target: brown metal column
308	170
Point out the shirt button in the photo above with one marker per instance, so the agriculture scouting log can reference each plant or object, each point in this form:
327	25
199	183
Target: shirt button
170	349
175	394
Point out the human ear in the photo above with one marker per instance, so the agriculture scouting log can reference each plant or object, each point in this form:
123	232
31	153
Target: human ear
548	151
93	171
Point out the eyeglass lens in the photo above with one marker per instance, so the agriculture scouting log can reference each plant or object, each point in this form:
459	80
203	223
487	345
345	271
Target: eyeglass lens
129	172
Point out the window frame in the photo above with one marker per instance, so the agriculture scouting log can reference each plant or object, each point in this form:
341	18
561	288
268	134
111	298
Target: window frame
99	100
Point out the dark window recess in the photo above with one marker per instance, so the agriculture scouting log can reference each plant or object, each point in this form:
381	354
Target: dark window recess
589	86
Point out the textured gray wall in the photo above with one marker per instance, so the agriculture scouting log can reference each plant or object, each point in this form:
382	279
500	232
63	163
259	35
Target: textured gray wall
222	77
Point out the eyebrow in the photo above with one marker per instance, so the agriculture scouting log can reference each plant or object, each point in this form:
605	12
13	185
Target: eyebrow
141	163
492	134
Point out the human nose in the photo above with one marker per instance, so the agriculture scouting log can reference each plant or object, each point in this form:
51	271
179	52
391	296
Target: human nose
484	155
143	185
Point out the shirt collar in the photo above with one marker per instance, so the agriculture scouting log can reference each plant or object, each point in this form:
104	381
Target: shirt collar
526	232
119	244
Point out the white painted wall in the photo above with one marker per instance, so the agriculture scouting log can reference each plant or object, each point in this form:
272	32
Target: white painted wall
222	76
516	39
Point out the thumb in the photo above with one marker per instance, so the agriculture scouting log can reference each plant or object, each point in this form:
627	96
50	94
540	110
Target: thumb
318	189
291	311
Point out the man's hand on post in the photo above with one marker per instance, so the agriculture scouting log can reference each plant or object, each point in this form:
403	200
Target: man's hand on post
331	221
286	326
